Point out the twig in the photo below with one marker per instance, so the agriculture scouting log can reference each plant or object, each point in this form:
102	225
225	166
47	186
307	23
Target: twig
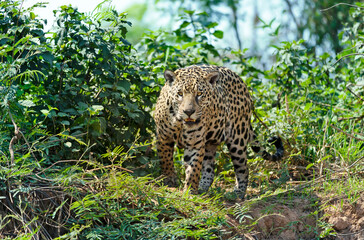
17	135
354	233
349	55
323	149
315	181
98	93
73	136
340	197
109	166
155	179
347	134
287	109
350	118
235	23
354	163
289	4
352	92
346	4
13	139
26	141
63	161
88	148
256	115
328	105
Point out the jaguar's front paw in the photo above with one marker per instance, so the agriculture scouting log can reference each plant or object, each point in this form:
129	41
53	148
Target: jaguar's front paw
170	181
191	191
239	194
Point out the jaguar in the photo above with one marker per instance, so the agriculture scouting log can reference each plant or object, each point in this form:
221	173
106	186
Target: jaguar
198	108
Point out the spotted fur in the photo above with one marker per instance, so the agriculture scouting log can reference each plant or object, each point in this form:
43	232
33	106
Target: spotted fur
198	108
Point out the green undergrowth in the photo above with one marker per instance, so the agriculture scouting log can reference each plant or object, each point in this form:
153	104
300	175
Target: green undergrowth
89	200
104	202
138	209
75	102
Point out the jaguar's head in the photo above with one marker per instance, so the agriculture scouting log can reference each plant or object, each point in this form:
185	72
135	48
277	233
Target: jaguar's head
191	93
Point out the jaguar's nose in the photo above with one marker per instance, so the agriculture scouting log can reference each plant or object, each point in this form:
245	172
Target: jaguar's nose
189	112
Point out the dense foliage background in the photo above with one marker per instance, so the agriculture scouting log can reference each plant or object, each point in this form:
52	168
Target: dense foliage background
77	150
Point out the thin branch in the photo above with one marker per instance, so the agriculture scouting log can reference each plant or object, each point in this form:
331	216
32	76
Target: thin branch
287	109
17	135
328	105
346	4
347	134
349	55
351	118
235	24
352	92
13	139
110	166
322	151
354	163
298	25
353	233
256	115
84	161
26	141
316	180
64	161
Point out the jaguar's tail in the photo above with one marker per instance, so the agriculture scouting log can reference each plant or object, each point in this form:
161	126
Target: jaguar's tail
276	141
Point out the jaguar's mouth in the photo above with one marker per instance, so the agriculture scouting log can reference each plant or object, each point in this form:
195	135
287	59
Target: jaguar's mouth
191	121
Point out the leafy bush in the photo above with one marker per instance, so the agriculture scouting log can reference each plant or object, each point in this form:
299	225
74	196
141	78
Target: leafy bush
76	102
83	81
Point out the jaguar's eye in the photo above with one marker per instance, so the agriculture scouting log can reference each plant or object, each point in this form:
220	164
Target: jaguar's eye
199	94
180	93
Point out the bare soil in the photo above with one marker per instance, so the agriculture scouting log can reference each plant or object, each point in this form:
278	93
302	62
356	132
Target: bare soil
347	218
296	219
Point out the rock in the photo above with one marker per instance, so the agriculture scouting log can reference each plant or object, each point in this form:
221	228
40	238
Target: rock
340	223
361	223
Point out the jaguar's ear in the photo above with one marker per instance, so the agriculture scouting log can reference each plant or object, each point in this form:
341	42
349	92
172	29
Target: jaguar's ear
213	77
169	76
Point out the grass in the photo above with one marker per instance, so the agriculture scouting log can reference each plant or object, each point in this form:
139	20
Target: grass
108	202
89	200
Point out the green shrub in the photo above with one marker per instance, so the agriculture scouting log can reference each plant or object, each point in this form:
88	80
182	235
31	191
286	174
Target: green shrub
75	103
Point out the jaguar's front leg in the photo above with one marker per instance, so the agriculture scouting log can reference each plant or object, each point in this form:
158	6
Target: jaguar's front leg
208	169
193	162
165	153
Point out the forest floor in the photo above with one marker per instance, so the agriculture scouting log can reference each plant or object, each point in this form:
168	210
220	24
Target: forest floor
308	210
294	218
325	207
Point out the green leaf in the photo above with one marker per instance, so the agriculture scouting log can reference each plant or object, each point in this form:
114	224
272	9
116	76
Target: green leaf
97	107
26	103
45	112
189	12
212	25
62	114
188	45
65	122
219	34
124	86
308	106
309	166
184	24
48	57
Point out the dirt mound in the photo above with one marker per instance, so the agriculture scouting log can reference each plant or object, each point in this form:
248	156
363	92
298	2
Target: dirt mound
346	217
297	218
280	221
